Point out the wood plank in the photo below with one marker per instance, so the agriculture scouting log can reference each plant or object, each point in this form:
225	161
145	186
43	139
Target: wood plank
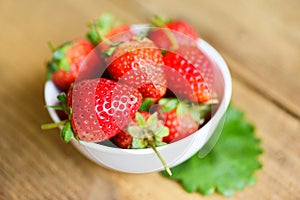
267	42
255	47
39	165
42	160
264	35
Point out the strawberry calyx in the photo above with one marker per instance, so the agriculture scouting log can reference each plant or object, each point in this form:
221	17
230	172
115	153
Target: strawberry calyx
66	133
149	134
51	46
147	131
59	59
100	30
104	29
101	27
160	20
54	125
198	111
147	103
108	52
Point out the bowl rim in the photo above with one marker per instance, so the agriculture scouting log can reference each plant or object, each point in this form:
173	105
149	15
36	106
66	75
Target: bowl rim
213	54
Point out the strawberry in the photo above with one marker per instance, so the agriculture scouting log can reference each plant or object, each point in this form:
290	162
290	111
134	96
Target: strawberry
200	61
180	126
190	67
183	27
139	63
100	108
171	33
123	139
66	63
181	118
146	131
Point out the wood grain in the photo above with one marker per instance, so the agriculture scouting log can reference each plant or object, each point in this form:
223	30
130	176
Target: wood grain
264	35
259	39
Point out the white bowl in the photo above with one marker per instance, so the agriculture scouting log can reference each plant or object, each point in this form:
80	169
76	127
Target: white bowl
145	160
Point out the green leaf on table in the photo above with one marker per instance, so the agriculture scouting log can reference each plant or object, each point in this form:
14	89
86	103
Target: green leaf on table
230	166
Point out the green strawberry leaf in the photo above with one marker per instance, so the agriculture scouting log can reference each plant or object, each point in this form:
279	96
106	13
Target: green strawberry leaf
139	118
160	143
134	131
200	111
51	68
160	20
115	44
59	60
147	133
92	35
62	97
104	24
168	104
163	132
146	104
183	108
107	53
64	64
137	143
152	121
58	54
57	107
163	52
230	166
67	132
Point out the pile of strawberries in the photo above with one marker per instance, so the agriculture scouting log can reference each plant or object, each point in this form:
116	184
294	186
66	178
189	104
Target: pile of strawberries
136	90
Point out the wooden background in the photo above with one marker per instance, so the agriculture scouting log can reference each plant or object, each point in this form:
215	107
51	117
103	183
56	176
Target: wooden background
260	40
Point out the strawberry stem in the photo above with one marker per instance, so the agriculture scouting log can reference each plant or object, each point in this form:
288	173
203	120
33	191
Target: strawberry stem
161	159
160	21
172	39
51	46
53	125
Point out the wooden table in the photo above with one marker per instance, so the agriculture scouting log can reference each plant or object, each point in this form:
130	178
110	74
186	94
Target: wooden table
259	39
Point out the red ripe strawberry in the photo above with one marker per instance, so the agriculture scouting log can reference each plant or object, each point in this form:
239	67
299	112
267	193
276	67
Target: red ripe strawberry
101	108
181	119
66	61
200	61
179	32
147	132
182	27
139	63
180	126
193	70
123	139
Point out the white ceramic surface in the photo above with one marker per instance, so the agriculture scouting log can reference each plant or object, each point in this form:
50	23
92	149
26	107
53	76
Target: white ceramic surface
145	160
